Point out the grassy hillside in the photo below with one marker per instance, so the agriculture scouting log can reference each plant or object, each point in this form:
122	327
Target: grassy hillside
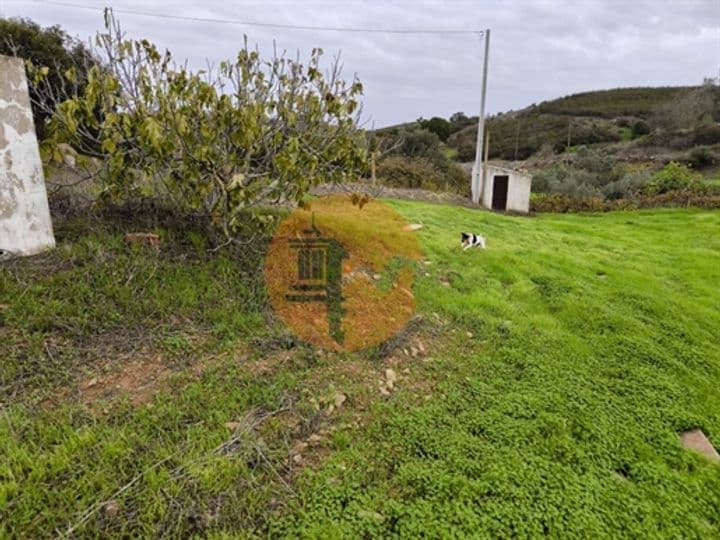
540	392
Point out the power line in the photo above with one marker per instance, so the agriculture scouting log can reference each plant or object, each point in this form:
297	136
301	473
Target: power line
265	24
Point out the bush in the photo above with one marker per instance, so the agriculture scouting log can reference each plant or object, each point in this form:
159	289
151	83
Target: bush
640	128
701	157
626	186
420	143
674	177
421	173
589	173
707	134
438	126
218	141
563	203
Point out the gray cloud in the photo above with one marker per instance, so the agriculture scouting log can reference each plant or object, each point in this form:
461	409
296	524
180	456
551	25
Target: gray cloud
539	49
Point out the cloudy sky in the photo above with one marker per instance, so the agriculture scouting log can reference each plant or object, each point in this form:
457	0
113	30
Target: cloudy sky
539	49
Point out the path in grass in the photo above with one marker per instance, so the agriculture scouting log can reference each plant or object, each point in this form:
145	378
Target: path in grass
560	365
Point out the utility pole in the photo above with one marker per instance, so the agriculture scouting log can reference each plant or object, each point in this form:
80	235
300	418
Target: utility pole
477	185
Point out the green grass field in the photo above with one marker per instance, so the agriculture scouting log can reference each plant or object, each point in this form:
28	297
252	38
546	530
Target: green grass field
558	368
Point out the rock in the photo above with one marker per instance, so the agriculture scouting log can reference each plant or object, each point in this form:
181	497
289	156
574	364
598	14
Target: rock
697	441
412	227
390	376
414	352
469	334
340	399
376	276
111	508
297	459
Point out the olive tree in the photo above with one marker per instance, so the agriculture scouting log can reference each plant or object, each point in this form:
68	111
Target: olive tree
218	140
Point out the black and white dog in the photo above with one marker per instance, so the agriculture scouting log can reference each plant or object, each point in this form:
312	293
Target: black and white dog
471	240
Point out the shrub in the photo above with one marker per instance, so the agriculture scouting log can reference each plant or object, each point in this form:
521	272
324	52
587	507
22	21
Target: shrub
673	177
563	203
702	157
438	126
626	186
420	143
405	172
640	128
707	134
414	173
217	142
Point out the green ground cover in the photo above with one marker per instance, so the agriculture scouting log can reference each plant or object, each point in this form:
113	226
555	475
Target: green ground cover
560	365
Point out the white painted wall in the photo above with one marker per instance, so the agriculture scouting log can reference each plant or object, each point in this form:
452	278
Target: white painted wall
25	226
518	189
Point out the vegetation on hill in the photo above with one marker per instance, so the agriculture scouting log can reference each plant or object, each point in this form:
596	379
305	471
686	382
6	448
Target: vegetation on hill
150	393
601	117
605	145
639	102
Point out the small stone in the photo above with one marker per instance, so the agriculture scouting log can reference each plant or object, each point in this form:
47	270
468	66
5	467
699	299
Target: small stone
412	227
297	458
469	334
92	382
340	399
376	276
414	351
111	508
390	375
697	440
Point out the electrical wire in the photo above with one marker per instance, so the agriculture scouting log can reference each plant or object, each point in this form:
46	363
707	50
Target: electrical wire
265	24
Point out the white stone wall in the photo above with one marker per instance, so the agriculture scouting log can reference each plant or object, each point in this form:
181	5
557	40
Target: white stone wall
25	226
518	199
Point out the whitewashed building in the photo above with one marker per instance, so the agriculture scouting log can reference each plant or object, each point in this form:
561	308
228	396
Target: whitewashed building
506	190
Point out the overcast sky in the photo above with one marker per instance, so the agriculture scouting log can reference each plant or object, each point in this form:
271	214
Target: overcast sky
539	49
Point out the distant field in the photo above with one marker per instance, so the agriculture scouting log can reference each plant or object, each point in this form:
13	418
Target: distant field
540	392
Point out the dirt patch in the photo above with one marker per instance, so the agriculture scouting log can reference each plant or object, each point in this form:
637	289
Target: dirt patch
139	380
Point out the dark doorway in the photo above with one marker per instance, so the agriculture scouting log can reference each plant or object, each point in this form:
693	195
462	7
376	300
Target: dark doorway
500	190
